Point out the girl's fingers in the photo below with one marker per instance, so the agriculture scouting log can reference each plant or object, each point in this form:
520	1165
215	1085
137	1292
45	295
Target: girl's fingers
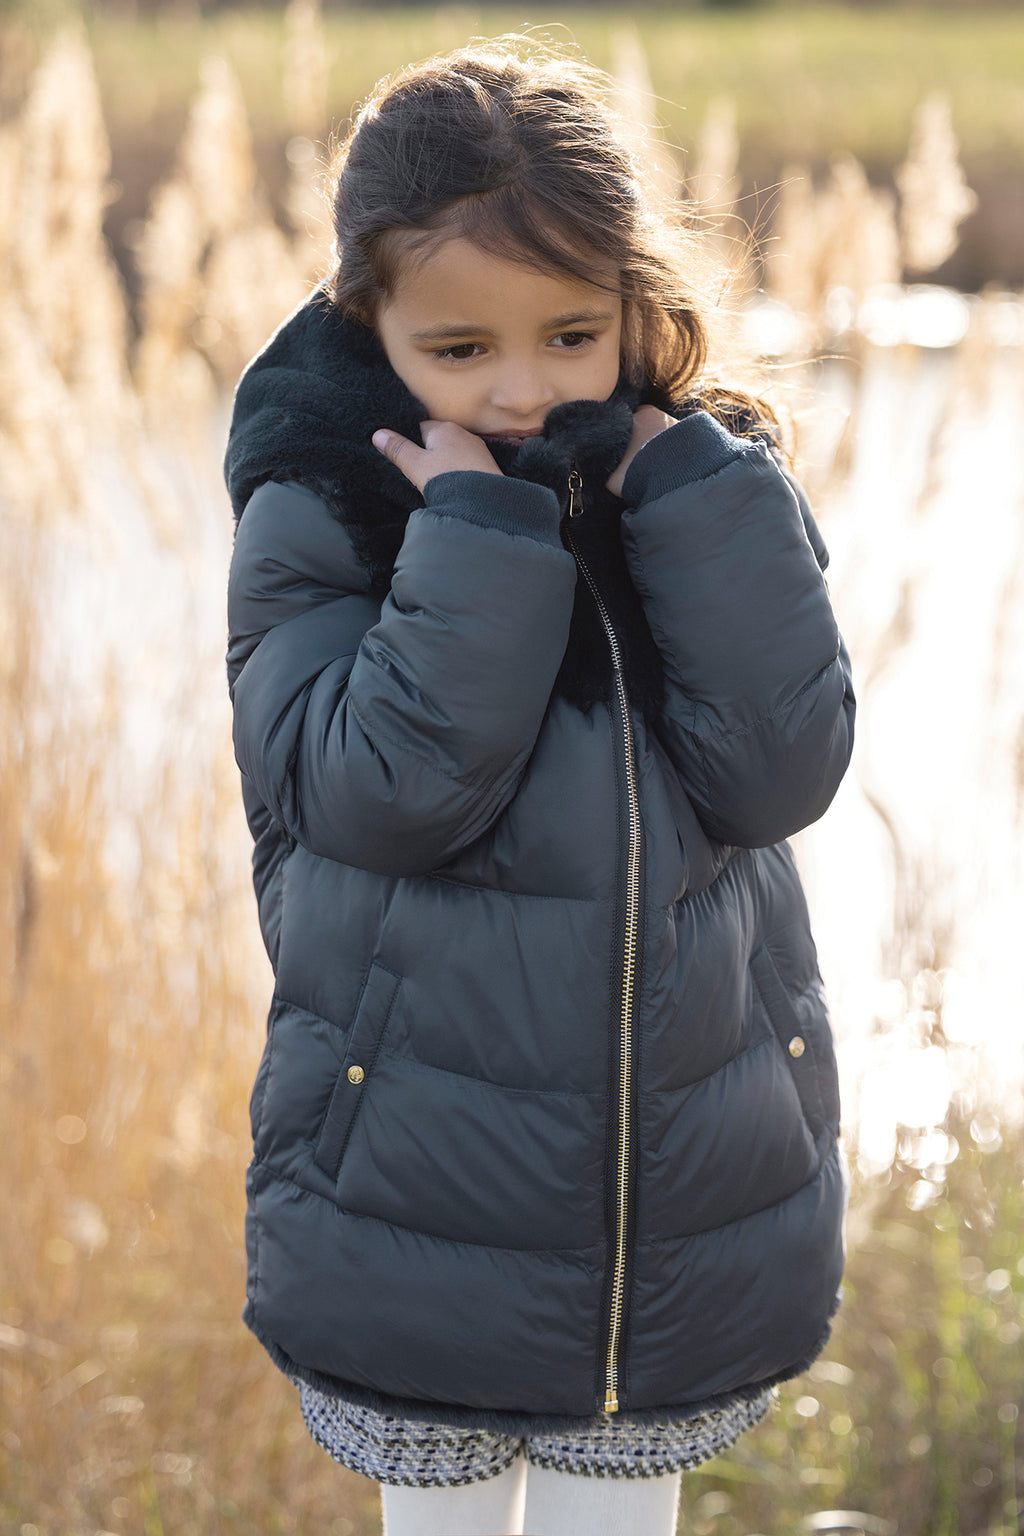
447	447
648	421
396	448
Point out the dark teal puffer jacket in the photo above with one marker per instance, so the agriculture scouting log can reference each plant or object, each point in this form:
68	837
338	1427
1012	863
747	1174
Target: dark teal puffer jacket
546	1121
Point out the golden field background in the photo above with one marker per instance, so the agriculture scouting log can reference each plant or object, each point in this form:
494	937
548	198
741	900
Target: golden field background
133	988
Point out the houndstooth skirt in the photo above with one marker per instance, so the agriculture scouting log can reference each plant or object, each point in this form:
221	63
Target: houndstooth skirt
420	1455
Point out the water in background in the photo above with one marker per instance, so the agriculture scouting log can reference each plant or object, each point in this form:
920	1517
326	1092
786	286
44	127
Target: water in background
908	449
915	874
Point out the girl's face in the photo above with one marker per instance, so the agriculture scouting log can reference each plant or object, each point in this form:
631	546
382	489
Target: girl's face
492	345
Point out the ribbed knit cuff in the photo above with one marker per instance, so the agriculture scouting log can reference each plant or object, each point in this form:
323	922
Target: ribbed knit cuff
496	501
691	450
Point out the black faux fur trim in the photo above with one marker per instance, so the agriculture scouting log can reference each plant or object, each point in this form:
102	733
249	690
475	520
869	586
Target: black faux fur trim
305	410
502	1421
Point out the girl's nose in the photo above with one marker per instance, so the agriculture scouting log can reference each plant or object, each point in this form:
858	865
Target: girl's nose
522	390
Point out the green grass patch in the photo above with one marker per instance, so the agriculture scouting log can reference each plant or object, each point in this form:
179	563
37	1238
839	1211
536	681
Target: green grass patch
808	81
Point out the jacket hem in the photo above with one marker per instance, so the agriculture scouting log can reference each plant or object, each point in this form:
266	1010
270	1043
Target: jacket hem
512	1421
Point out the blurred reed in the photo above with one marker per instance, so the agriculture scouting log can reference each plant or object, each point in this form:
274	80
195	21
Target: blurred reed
133	981
217	273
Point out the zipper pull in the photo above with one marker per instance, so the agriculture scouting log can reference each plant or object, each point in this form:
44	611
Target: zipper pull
575	493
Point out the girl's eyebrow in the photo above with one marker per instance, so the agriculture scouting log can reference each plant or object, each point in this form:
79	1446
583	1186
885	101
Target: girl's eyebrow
580	317
449	332
556	323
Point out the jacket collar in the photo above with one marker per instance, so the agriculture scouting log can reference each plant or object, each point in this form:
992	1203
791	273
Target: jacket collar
307	404
305	409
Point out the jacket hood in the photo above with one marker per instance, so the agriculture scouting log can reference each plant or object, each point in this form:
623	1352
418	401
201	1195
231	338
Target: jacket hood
305	409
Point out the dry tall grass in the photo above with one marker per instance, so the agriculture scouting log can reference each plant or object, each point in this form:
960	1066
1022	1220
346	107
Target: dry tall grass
132	986
133	1399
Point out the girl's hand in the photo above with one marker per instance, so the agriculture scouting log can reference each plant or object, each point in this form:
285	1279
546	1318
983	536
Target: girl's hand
648	421
446	447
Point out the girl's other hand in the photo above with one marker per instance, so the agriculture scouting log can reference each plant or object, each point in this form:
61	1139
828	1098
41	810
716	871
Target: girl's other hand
648	421
446	447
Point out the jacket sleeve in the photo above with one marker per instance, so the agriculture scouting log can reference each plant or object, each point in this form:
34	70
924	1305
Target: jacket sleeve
728	562
392	735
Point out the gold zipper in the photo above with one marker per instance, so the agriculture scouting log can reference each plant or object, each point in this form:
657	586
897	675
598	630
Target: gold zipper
576	501
629	966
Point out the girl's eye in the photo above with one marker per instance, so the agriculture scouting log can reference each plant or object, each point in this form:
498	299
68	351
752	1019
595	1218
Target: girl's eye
573	340
461	352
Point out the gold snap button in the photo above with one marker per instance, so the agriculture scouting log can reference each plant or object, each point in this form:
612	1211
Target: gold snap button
796	1047
356	1074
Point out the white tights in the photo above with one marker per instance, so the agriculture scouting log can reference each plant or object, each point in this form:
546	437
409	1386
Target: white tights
538	1502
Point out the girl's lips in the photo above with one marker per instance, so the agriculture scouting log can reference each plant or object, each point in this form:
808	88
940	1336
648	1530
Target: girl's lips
513	437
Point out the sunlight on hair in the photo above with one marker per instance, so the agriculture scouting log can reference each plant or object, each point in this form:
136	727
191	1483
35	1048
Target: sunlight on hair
714	185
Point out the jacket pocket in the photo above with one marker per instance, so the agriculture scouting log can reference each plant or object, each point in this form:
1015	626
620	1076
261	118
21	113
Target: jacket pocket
795	1038
371	1018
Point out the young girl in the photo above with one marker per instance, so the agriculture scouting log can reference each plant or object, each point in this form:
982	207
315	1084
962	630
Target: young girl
533	670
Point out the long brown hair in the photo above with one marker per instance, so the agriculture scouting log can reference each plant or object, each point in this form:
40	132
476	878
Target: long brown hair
513	145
